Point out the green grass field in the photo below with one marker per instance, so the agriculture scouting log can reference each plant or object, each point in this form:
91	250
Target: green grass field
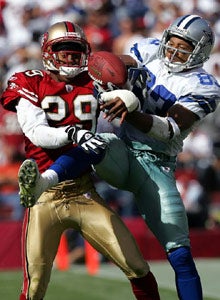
108	284
69	285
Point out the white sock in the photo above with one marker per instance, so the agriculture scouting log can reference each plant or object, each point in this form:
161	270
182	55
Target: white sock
50	179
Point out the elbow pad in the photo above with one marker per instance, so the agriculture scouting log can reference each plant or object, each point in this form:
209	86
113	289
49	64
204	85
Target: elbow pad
128	97
164	128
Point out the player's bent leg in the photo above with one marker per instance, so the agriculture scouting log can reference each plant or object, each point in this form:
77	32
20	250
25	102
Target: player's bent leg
114	167
187	278
75	163
38	247
115	242
165	204
68	166
113	239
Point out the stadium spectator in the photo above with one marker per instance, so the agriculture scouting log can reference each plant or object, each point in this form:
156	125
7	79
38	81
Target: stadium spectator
195	200
9	197
209	178
97	28
132	29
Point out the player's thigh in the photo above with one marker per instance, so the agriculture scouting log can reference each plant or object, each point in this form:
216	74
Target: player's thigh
160	204
114	168
43	231
105	230
41	235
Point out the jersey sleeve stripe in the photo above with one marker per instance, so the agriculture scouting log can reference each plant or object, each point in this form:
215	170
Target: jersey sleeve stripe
207	105
29	95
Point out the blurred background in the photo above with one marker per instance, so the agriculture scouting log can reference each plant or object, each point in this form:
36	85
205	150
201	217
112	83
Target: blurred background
113	26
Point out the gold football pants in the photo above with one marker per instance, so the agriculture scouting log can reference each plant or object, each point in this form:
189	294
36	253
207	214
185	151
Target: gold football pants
74	204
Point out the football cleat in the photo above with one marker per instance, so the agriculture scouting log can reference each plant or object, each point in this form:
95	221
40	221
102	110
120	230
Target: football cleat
29	183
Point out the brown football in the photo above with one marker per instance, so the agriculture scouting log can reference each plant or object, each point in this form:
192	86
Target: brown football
104	67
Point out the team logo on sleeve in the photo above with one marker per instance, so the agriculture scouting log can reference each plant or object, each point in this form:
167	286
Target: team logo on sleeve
13	86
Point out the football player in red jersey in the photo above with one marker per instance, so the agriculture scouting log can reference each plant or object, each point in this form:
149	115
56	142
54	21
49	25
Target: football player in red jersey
55	109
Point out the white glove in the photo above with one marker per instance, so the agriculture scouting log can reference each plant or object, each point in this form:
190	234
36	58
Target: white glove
86	139
128	97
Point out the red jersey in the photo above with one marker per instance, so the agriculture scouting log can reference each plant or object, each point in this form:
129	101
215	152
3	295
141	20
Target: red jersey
64	104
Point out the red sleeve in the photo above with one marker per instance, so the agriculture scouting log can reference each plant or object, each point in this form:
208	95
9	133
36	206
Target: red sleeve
23	84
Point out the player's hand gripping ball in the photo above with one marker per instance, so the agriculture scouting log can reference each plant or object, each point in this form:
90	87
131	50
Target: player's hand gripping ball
104	67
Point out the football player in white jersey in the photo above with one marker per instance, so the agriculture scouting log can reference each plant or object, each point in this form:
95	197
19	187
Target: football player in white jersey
176	93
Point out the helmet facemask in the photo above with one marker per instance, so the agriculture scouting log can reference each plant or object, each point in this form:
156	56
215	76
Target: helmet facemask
170	63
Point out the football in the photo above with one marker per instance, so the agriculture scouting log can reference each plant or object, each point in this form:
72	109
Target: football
104	67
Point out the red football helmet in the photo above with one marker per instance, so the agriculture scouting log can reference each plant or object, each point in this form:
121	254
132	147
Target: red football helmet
65	49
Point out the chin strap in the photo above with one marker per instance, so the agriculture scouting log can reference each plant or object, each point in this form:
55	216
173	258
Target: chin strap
70	72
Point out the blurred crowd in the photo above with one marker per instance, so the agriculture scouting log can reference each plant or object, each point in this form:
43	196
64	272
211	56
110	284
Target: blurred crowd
112	25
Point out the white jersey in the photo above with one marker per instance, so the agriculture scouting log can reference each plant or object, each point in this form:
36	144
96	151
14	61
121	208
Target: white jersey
195	89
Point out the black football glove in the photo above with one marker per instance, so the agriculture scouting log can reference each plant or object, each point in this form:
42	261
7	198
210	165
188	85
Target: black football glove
86	139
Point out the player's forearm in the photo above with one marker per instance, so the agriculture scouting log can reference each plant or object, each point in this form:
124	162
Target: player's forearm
139	120
161	128
48	137
34	125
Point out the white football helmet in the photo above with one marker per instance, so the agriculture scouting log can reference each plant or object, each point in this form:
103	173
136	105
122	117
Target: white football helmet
196	31
65	38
